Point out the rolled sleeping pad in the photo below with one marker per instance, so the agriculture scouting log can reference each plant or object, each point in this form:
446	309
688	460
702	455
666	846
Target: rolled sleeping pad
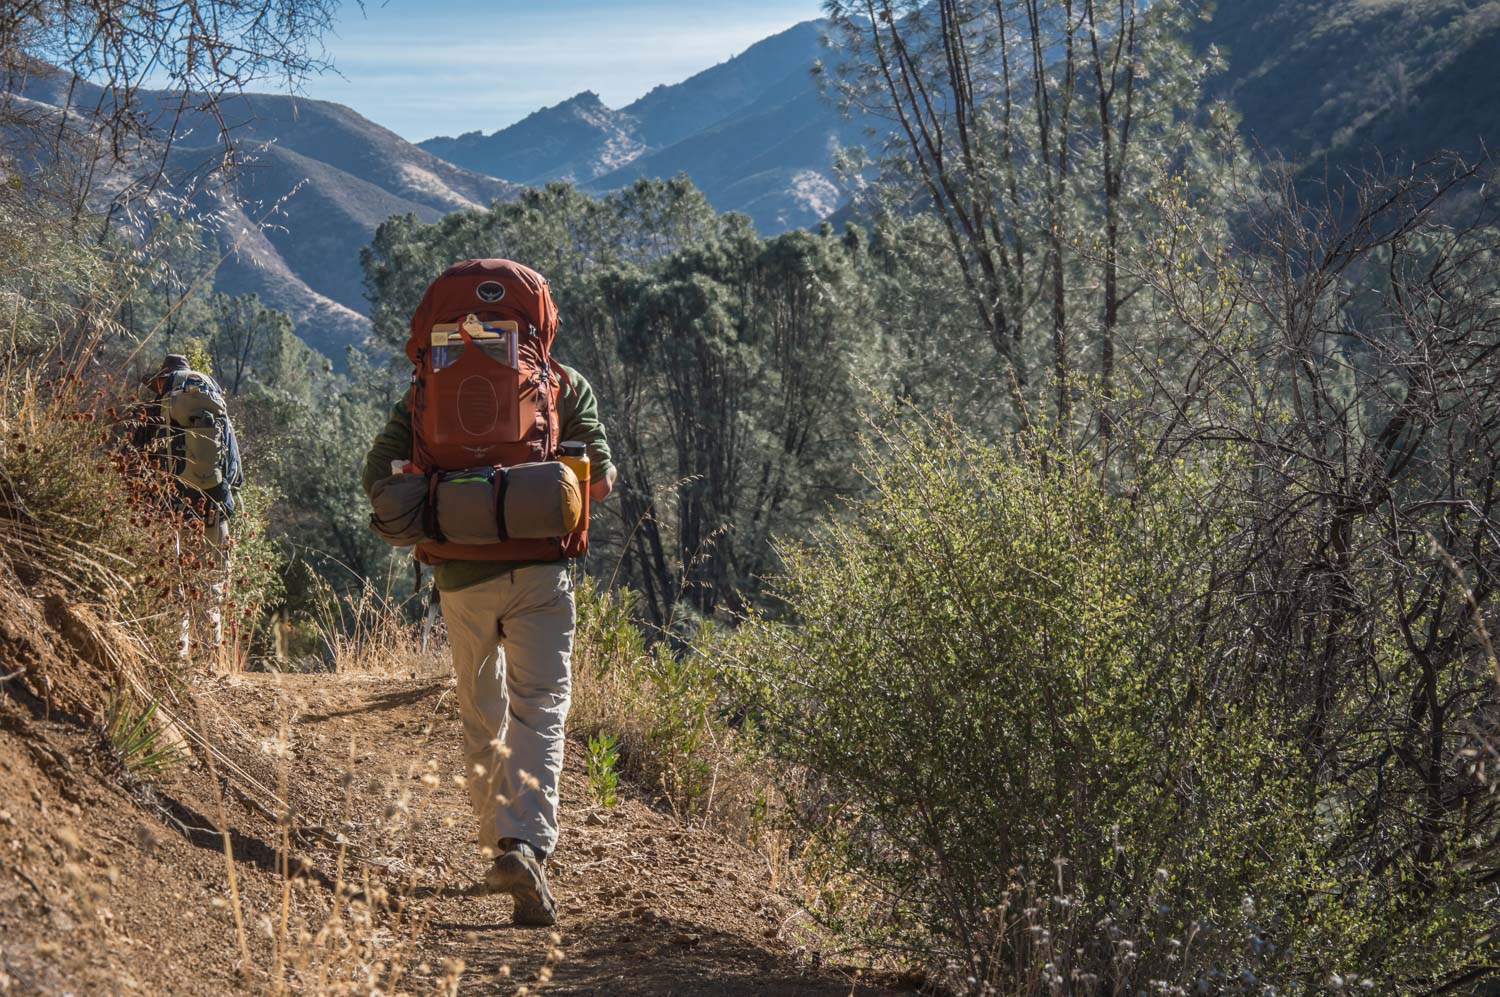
528	501
466	506
398	509
541	500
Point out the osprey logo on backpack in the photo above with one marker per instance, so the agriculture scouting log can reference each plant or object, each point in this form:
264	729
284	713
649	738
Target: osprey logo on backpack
490	291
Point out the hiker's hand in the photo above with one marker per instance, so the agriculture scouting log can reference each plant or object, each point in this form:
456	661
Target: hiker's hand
601	487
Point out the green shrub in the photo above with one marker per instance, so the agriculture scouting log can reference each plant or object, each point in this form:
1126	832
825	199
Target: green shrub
995	703
136	737
603	759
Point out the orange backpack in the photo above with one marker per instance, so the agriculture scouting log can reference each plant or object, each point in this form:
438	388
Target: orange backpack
484	389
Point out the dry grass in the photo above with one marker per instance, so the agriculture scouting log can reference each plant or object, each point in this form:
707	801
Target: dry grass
677	732
371	633
344	930
84	520
353	931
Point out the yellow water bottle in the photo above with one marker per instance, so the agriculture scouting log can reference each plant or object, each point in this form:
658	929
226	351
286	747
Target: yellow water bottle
576	456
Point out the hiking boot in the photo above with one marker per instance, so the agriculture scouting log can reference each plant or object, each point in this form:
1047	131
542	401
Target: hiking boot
519	872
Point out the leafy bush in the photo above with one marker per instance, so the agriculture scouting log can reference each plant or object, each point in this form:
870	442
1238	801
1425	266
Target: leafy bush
603	759
998	687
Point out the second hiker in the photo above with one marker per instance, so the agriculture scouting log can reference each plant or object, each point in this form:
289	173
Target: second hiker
184	430
480	466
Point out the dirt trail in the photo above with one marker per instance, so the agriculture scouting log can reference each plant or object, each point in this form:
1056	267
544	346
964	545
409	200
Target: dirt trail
104	889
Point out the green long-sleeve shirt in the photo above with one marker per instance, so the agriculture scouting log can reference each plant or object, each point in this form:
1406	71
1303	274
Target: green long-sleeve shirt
578	419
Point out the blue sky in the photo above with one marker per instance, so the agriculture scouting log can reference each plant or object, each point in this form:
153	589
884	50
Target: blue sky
442	67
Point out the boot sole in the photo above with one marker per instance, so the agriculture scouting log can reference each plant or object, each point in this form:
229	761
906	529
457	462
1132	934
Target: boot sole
525	881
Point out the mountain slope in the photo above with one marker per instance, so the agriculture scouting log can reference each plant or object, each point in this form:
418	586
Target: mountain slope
751	132
670	113
771	161
1344	79
575	140
315	180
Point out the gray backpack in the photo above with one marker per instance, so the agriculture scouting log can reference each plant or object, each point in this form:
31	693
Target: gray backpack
203	453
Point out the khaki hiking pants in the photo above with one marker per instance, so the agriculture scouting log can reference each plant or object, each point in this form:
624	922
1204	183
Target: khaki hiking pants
512	640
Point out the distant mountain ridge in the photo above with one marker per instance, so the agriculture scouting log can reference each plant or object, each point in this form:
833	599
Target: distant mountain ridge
1314	81
576	140
752	132
1332	82
1338	81
317	180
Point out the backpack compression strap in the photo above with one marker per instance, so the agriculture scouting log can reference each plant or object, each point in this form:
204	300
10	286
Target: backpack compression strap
502	482
431	523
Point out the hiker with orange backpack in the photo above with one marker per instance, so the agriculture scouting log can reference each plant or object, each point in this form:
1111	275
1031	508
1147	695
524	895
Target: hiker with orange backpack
487	467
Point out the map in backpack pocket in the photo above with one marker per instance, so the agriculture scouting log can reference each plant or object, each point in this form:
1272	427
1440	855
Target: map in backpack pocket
499	339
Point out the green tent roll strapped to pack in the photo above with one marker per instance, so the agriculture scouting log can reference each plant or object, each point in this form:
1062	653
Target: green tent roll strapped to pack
475	506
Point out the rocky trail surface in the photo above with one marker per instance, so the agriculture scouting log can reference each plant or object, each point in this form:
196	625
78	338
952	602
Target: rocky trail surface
114	884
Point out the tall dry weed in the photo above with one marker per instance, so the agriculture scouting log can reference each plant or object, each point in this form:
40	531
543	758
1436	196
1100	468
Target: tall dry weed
369	632
677	730
355	929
